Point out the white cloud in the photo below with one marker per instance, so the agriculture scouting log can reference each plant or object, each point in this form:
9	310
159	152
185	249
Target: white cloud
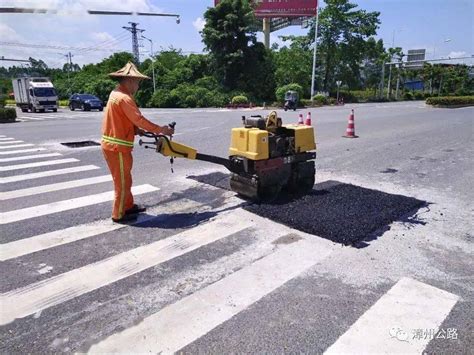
455	54
8	34
199	24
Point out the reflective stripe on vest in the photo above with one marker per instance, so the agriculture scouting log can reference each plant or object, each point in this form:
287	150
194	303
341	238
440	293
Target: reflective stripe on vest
117	141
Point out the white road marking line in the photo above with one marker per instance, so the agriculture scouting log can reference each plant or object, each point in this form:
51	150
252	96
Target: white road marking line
22	151
7	139
32	118
38	164
185	321
44	294
42	174
2	136
66	205
53	239
17	146
28	157
11	142
36	190
389	324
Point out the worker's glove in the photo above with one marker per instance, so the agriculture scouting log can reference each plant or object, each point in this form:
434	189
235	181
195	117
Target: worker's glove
140	132
167	131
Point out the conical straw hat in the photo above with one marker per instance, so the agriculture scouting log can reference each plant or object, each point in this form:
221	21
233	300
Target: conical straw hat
130	71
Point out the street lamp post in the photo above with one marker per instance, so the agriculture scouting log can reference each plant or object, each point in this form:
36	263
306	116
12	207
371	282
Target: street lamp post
313	75
434	58
152	62
389	91
338	83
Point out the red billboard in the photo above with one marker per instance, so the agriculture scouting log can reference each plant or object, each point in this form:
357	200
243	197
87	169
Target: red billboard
284	8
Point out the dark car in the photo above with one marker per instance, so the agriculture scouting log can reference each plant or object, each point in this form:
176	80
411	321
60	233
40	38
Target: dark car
85	102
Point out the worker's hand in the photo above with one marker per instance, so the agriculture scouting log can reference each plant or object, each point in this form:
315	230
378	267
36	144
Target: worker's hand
140	132
167	131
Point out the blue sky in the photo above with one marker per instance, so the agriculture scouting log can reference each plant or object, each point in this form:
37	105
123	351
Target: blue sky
445	27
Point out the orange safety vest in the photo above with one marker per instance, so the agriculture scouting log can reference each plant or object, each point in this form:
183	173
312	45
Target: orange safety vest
121	117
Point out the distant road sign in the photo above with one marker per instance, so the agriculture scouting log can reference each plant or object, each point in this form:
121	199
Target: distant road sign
415	58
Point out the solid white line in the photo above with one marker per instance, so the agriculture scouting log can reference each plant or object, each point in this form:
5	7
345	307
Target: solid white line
187	320
28	157
17	146
41	174
37	164
389	325
11	142
56	290
7	139
54	187
2	136
32	118
22	151
53	239
66	205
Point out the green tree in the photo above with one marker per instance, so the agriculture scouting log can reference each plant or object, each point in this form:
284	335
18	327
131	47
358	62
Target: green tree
227	35
342	34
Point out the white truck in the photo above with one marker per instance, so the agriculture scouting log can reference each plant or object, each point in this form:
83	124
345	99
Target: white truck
35	94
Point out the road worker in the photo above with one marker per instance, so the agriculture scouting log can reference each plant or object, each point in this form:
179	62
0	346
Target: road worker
122	121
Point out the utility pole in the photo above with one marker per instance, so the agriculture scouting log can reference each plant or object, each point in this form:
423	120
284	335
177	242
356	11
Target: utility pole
313	75
134	30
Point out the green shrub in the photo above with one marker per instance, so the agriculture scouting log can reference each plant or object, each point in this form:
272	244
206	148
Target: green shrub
281	91
427	94
408	96
63	103
451	100
418	95
7	114
305	102
332	101
347	96
238	100
320	100
3	100
10	102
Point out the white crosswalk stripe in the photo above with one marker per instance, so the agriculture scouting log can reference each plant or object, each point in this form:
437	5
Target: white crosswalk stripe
10	152
36	190
37	164
53	239
11	142
388	324
187	320
30	157
17	146
33	298
47	173
66	205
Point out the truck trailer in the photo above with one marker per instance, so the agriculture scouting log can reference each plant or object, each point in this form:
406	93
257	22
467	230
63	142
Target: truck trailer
35	94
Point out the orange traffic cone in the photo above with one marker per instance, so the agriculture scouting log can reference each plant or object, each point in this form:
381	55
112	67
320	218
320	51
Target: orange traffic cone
300	119
308	119
350	131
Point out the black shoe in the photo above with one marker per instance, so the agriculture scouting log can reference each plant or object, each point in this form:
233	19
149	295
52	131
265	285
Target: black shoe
135	209
126	218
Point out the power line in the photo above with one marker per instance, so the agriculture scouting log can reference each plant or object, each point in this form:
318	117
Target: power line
46	46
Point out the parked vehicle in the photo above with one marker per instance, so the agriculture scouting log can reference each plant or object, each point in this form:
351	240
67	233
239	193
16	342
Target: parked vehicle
85	102
291	100
35	94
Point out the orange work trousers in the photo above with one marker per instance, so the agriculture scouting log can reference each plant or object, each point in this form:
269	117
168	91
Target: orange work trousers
120	166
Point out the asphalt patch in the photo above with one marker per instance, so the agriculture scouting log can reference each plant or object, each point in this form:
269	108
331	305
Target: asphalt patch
343	213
